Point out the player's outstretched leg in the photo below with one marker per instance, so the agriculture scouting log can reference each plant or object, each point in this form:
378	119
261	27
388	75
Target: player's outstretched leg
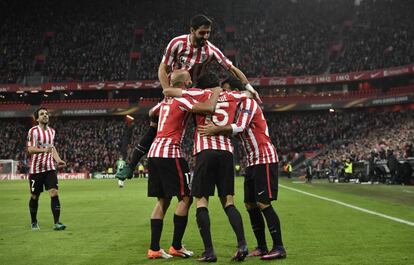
139	151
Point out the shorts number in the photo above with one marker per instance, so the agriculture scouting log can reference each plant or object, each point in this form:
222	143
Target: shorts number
189	179
33	182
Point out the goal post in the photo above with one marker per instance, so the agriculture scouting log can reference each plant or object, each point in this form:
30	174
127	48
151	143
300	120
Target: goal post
8	169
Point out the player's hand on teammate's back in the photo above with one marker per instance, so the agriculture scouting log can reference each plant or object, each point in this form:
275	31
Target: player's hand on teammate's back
207	129
125	173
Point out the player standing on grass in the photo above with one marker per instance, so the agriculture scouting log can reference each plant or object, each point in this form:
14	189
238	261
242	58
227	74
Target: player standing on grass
261	181
168	171
42	167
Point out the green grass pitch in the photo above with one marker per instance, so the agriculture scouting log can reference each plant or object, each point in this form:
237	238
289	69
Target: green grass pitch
109	225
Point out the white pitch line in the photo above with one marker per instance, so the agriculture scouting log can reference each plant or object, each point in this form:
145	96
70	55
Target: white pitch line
351	206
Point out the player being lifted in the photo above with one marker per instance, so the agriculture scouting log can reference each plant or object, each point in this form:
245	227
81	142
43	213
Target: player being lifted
192	52
168	171
261	181
40	140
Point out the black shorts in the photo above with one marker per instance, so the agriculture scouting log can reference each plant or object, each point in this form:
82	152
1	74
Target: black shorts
261	183
47	179
168	177
213	168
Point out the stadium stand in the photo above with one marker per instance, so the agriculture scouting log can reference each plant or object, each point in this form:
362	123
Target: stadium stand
66	43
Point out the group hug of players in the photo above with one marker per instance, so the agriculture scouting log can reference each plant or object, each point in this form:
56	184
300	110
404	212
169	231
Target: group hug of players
219	113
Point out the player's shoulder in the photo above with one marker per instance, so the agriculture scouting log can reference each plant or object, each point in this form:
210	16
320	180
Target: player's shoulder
210	44
181	38
236	94
34	128
186	101
194	91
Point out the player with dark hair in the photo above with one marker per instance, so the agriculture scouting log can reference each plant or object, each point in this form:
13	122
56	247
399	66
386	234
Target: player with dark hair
168	171
194	52
231	84
261	181
40	145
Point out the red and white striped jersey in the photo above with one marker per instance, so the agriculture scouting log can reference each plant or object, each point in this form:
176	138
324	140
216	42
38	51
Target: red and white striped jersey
41	138
181	54
252	128
224	115
173	117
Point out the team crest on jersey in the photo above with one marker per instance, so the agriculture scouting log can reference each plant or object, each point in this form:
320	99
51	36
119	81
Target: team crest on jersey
183	63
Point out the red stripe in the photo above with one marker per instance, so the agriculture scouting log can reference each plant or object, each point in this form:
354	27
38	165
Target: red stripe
47	140
198	56
43	161
209	142
180	174
207	53
185	44
268	181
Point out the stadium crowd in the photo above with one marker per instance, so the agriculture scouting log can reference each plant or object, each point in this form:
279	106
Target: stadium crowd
378	135
94	144
92	41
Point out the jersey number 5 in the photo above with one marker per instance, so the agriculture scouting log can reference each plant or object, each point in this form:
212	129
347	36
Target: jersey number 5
220	109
